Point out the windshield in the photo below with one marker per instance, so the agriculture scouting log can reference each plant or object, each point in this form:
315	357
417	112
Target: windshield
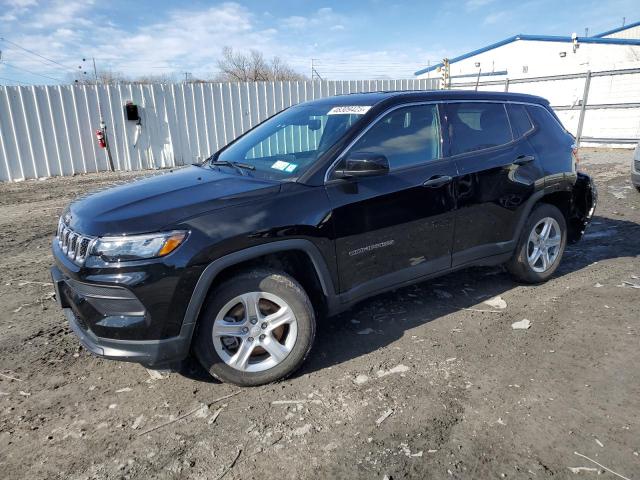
287	144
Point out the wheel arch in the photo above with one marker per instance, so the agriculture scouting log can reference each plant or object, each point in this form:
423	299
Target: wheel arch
226	265
568	202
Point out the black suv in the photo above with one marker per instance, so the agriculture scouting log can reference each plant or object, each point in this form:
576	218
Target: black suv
313	210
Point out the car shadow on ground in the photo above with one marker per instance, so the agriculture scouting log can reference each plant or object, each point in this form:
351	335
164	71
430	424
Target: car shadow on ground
378	321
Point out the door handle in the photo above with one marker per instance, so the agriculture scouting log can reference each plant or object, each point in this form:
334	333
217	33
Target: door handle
437	181
524	159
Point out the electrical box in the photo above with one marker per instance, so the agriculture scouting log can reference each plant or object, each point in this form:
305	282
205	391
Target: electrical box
131	110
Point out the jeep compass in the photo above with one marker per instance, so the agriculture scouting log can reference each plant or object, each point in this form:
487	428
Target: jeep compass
315	209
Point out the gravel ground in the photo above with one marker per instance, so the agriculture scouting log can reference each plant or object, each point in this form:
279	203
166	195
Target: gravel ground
425	382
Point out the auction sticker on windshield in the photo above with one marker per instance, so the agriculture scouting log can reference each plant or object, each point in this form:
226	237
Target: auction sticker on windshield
284	166
349	110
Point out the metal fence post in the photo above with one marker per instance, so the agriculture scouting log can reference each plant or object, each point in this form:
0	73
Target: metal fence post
506	84
583	107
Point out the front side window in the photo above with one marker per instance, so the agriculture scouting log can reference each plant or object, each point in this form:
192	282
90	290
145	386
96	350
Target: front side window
406	136
476	126
287	144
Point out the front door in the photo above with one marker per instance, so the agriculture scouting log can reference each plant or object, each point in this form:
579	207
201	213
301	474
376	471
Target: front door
398	226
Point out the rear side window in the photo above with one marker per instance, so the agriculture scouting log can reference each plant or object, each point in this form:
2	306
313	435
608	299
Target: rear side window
549	125
406	136
520	121
476	126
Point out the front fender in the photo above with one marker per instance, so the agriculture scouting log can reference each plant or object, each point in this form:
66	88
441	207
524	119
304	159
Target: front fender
214	268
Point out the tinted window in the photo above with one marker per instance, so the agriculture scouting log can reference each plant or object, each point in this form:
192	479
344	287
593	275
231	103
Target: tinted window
407	136
551	127
474	126
520	121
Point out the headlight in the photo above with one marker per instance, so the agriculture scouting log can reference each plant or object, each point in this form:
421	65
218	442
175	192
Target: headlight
137	247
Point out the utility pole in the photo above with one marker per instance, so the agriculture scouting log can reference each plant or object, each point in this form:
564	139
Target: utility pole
187	75
314	72
445	74
478	78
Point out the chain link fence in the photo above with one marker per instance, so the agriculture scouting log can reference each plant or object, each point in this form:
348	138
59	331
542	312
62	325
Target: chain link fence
600	108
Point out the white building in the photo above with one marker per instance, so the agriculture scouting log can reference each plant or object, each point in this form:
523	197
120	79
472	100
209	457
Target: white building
522	56
612	114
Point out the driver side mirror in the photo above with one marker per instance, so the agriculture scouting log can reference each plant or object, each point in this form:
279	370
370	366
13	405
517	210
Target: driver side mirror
362	164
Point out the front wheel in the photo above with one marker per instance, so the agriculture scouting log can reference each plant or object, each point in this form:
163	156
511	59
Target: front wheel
256	328
541	245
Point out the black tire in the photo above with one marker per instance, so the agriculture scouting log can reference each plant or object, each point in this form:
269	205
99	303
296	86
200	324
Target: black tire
518	265
262	280
637	187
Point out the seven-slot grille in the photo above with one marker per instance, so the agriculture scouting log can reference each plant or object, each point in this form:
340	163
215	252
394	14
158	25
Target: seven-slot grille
73	245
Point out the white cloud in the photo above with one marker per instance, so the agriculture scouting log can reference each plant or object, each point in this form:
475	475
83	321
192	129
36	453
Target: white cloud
495	17
20	3
295	22
13	8
69	13
471	5
323	17
191	39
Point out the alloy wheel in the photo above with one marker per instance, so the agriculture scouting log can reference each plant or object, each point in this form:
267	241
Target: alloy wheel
543	246
254	331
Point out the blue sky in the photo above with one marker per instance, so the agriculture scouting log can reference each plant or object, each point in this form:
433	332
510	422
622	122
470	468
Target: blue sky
357	39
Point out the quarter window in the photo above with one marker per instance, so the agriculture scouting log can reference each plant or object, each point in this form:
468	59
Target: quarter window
520	121
406	136
476	126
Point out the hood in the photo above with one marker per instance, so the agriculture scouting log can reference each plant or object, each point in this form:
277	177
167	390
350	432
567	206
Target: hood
154	203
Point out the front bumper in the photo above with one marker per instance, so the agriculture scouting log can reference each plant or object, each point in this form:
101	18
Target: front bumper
80	314
150	353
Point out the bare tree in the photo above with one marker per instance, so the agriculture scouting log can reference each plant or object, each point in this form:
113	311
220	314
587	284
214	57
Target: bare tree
105	77
252	67
157	78
110	77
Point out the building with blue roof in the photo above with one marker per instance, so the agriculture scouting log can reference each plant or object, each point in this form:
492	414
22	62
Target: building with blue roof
522	56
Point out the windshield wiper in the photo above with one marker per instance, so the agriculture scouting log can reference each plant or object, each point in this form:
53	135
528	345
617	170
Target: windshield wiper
237	165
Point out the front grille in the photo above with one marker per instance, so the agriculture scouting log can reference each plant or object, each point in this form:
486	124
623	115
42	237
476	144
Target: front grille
74	245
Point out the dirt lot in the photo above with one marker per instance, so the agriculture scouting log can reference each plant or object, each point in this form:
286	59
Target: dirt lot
425	382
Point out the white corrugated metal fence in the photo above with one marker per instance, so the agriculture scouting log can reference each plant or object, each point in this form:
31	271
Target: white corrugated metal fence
50	130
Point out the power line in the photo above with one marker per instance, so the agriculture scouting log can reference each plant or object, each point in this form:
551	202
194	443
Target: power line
368	63
32	73
35	53
12	80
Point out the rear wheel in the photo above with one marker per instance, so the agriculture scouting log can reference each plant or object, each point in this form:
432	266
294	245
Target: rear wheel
256	328
541	245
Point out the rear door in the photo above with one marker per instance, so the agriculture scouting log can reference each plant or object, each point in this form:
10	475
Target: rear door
498	171
394	227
